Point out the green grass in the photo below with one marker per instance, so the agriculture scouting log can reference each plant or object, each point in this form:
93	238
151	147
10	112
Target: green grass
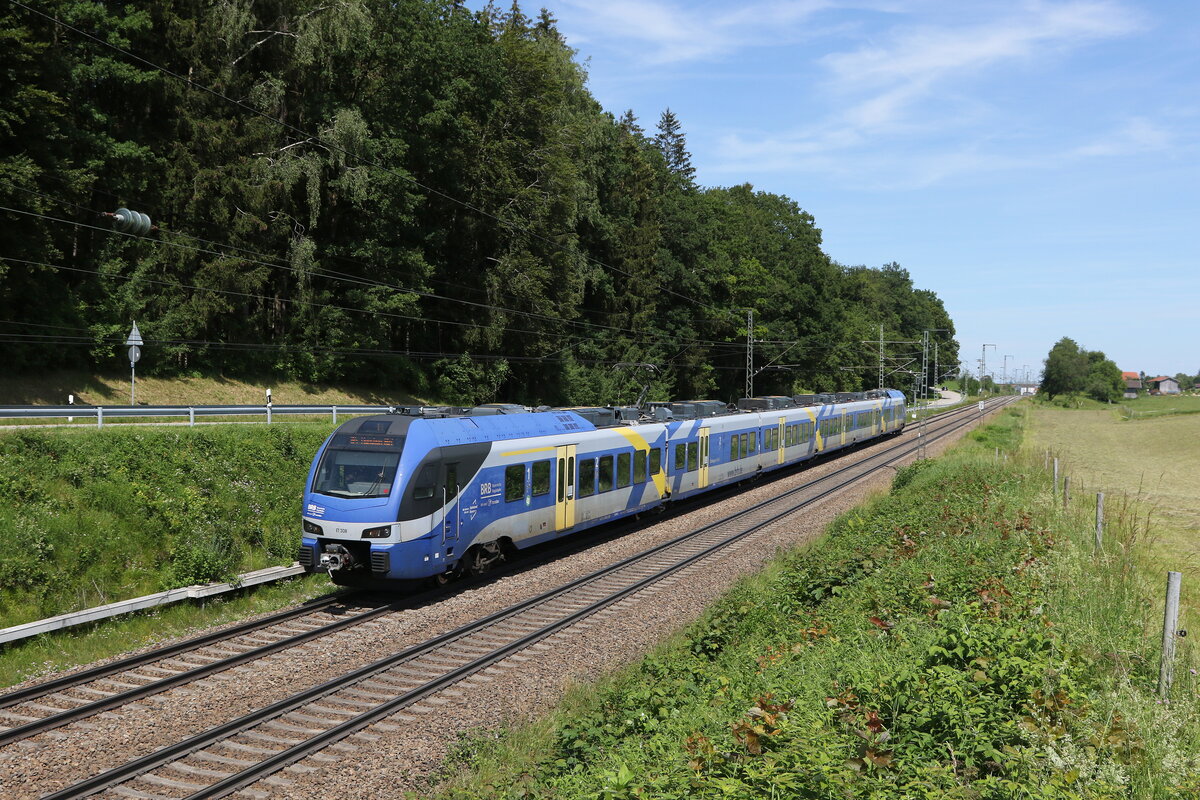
91	517
85	644
1151	462
956	639
1149	407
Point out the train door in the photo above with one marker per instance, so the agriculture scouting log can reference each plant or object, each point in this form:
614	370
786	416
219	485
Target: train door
564	497
450	517
703	433
780	439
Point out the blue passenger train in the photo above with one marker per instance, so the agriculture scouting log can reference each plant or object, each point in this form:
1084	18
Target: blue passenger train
433	493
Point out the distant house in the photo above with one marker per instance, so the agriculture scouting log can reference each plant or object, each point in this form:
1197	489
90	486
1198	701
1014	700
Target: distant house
1164	385
1133	384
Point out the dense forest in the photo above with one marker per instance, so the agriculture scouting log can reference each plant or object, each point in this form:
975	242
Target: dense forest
406	194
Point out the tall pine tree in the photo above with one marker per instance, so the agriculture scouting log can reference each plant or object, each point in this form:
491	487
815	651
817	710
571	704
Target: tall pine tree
673	144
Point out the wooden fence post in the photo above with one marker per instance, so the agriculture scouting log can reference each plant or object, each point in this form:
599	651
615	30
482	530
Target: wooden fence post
1166	667
1099	520
1066	491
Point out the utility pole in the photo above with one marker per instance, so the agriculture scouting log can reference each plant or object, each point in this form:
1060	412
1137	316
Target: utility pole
1004	374
880	386
749	352
983	364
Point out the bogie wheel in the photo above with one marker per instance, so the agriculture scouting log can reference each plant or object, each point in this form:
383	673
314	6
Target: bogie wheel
482	558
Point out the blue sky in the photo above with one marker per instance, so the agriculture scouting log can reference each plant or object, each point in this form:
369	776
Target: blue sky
1033	163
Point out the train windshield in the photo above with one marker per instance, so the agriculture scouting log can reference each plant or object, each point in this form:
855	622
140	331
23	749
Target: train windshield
358	468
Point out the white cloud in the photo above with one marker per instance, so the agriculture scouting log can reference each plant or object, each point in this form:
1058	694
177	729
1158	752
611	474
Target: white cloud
917	62
656	32
906	111
1137	136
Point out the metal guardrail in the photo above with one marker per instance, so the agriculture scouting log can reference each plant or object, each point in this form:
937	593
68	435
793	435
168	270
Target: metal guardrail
100	413
28	629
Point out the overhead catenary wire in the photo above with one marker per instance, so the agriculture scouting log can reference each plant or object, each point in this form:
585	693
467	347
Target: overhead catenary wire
346	278
727	317
332	146
91	341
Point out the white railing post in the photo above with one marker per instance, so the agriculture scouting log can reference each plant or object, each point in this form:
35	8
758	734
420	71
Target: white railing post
99	416
191	416
335	415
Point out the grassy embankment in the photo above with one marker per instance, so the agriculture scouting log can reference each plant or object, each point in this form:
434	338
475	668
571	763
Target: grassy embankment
956	639
90	517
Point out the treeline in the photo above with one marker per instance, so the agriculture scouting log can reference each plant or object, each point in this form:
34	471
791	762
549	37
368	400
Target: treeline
403	193
1071	370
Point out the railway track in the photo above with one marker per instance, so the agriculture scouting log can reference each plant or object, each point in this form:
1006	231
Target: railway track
51	704
241	752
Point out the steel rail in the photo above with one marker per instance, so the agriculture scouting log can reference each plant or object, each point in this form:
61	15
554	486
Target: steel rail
130	662
239	780
24	731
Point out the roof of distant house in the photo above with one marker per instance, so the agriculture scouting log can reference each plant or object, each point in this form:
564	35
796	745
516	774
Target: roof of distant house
1131	376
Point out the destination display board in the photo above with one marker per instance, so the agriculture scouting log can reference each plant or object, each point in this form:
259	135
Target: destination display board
368	441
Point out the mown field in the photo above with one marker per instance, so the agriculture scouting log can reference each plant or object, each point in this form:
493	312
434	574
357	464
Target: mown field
1153	459
956	639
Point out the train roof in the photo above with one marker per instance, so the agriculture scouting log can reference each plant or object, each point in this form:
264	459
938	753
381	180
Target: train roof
470	429
447	426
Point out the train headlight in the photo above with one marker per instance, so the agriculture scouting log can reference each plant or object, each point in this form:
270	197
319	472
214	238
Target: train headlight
381	532
312	527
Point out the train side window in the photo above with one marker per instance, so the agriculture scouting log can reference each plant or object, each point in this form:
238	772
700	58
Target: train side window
734	455
753	442
606	473
693	456
451	481
680	457
639	466
587	477
514	482
655	461
622	470
745	438
427	482
541	478
562	479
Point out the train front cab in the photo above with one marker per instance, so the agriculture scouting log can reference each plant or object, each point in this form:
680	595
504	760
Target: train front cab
380	502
